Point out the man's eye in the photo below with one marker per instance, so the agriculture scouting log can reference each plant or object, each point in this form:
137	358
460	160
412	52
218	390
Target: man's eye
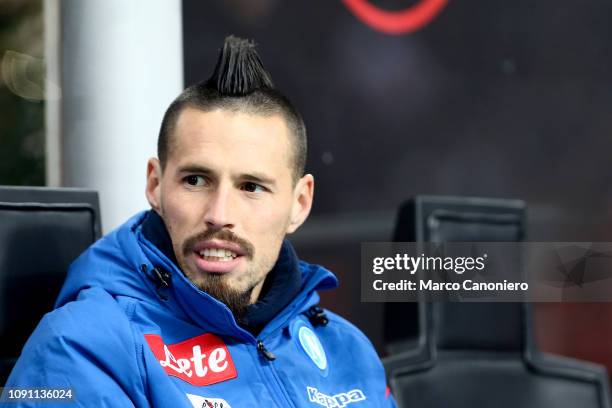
252	187
195	181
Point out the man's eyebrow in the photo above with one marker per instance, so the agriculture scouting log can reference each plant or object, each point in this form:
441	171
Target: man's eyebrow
195	168
259	178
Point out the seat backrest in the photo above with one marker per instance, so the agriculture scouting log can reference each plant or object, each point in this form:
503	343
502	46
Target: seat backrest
447	219
42	230
491	380
482	354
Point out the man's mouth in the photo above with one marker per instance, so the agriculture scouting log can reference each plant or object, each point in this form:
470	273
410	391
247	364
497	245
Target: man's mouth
217	254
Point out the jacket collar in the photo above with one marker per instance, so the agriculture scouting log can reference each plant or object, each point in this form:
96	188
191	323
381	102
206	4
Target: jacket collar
209	313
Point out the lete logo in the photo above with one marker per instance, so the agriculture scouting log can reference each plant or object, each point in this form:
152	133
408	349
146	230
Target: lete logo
201	360
396	22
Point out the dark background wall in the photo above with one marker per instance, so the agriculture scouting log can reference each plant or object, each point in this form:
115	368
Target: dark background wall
493	98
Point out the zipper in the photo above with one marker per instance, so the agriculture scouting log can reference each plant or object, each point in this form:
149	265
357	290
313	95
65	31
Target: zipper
264	351
317	317
270	357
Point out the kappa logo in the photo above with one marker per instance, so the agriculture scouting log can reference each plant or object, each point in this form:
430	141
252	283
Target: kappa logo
201	360
206	402
336	401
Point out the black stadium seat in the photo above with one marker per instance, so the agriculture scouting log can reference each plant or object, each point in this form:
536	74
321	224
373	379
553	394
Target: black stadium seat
482	354
42	230
447	219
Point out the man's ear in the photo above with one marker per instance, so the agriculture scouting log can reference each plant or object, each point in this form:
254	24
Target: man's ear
153	189
302	202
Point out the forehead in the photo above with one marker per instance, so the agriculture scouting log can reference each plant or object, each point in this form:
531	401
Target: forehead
224	137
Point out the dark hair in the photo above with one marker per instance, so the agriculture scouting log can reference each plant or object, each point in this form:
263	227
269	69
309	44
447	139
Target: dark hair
239	83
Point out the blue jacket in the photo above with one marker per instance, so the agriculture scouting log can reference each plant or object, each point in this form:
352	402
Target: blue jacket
121	337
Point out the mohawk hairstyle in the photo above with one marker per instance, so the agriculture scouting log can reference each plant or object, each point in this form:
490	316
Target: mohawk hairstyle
239	83
239	70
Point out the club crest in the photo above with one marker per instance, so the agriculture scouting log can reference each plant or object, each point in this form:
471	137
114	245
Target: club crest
312	346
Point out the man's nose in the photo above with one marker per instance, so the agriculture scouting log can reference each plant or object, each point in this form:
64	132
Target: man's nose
219	209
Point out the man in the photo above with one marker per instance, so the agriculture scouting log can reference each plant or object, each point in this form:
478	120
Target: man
200	301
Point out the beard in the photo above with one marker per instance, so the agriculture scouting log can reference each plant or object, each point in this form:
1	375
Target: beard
237	301
216	284
235	295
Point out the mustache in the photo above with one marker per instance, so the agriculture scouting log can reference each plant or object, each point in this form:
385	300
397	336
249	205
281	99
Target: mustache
221	235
